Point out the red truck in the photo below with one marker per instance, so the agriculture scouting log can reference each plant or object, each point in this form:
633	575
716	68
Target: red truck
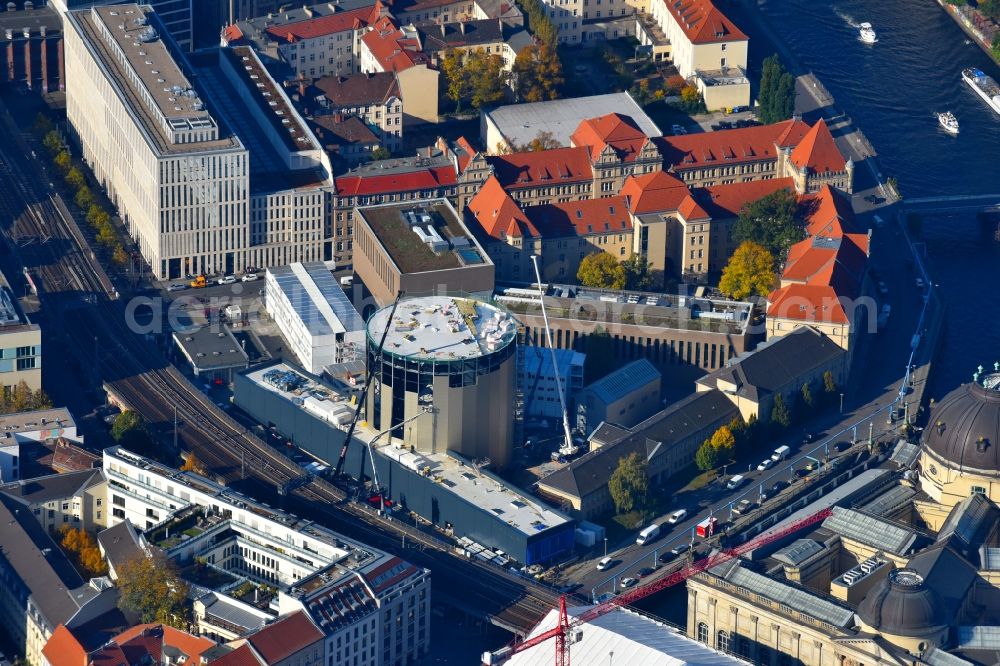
706	528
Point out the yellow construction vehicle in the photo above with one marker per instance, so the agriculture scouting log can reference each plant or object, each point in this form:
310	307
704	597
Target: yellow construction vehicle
199	282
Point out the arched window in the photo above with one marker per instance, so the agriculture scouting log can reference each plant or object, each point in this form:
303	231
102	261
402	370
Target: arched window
702	632
722	641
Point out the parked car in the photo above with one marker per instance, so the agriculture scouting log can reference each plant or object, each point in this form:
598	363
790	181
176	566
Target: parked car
629	582
765	465
811	466
250	277
680	549
840	447
177	287
645	571
605	563
227	279
742	507
776	488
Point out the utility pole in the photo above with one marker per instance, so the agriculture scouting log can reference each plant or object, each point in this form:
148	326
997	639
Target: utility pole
175	428
871	432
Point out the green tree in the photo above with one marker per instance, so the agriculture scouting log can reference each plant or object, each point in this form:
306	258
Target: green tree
22	399
629	484
151	588
52	142
829	384
537	73
130	431
781	414
42	125
381	153
455	77
83	198
707	456
487	78
638	272
96	215
601	270
776	98
749	271
119	256
106	236
600	355
990	9
62	160
771	221
807	395
995	46
75	178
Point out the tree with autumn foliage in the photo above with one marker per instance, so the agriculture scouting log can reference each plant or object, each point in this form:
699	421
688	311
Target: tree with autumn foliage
601	270
476	76
538	73
151	587
193	464
749	271
81	549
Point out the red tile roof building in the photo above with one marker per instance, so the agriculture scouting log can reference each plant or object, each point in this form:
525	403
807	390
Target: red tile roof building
563	233
313	41
293	638
825	280
816	161
705	47
140	645
387	48
604	152
789	149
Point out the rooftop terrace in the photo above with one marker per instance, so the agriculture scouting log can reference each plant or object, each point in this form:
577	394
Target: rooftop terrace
320	400
423	236
443	328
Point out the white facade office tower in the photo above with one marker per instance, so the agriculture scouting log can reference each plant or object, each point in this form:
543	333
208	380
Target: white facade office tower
201	191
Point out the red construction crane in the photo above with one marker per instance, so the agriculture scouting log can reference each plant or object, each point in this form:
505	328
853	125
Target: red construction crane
564	625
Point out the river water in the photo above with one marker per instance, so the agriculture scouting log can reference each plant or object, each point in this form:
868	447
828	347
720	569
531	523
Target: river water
892	91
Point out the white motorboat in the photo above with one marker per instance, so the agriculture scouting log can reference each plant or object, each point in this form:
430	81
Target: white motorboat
948	121
867	33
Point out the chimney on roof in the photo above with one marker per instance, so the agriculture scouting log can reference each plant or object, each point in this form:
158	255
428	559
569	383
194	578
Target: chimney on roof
461	27
443	30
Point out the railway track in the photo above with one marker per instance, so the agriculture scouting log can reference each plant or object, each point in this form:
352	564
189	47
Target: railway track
75	292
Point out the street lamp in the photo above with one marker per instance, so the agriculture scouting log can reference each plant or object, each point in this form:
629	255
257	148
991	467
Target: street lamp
841	403
605	546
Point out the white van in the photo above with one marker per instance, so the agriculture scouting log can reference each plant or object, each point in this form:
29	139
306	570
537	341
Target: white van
677	516
347	281
780	453
735	482
648	534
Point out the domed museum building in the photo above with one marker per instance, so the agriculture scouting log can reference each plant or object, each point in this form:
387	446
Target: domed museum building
960	455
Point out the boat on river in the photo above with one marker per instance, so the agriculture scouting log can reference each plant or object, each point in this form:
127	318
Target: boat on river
867	33
984	85
948	121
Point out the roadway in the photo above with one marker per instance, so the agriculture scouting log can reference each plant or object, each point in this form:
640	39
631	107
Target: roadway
883	356
83	310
